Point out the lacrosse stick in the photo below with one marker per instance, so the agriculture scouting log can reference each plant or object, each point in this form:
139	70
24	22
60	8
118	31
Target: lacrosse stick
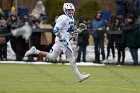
81	28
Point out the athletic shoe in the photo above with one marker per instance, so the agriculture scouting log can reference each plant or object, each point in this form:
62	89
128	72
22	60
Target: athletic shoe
32	51
83	77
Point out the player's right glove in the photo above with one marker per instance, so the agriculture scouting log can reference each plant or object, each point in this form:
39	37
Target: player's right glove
64	41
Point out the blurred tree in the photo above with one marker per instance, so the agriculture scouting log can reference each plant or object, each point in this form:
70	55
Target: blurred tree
53	8
107	5
87	9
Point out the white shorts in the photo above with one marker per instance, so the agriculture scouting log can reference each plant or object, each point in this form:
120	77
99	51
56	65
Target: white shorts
59	47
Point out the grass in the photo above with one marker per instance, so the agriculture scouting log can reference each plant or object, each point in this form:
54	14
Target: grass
27	78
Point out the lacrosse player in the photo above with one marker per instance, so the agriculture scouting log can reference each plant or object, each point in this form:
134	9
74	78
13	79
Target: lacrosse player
63	28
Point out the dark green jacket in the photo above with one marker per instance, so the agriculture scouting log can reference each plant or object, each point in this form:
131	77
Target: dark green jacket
131	36
138	39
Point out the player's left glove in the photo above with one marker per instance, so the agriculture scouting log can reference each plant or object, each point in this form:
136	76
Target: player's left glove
64	41
82	27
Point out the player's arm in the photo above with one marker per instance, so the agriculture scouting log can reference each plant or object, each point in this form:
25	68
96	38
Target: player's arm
61	38
56	31
59	24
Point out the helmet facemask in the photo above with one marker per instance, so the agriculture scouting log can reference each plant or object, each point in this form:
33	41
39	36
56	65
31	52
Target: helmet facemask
70	12
69	9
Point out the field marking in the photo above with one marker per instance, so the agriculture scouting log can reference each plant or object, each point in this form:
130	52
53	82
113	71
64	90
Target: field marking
117	74
49	75
122	88
48	63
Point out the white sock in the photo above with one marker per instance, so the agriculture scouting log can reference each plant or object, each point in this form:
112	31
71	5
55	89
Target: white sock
75	69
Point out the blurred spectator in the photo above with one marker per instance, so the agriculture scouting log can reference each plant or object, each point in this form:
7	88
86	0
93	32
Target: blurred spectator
3	48
89	24
111	38
115	39
39	8
98	24
120	48
2	21
129	37
25	18
36	17
83	38
3	40
17	44
39	12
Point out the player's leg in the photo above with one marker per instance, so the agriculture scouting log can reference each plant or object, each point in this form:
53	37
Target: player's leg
51	56
71	58
33	51
54	54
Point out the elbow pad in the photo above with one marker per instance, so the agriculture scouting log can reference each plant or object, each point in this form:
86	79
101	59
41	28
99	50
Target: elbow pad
56	31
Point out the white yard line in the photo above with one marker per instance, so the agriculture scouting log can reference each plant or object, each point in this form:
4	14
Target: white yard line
48	63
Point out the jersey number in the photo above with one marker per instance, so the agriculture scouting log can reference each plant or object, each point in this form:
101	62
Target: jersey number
71	29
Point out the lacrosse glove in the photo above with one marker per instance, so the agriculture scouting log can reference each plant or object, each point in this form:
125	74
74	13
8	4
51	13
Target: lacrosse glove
82	27
63	41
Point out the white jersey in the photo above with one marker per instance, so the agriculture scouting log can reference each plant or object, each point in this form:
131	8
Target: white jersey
65	24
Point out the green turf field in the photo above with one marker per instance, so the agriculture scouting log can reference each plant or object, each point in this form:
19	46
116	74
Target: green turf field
27	78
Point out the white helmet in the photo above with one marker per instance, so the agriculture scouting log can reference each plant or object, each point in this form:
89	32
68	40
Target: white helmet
68	6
